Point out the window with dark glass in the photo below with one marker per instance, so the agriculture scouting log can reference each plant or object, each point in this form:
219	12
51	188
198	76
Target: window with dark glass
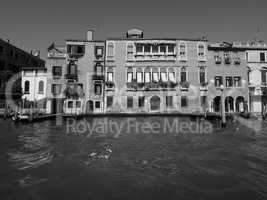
56	89
109	101
162	48
229	81
70	104
202	76
99	51
41	87
141	102
218	81
169	102
183	76
147	48
139	48
184	101
57	71
129	102
97	104
78	104
80	49
155	49
263	76
27	87
262	57
98	89
171	48
203	100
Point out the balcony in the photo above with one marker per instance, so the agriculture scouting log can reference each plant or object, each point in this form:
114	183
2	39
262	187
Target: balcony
71	76
98	77
237	61
218	60
185	85
110	84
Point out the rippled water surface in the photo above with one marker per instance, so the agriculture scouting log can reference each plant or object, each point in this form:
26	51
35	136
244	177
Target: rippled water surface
43	161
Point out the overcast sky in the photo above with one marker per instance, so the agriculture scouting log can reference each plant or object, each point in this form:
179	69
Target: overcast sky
35	24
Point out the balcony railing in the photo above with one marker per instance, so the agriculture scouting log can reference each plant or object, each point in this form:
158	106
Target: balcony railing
110	84
151	85
71	76
184	85
98	77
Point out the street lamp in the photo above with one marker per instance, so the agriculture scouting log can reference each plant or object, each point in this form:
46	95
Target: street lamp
222	106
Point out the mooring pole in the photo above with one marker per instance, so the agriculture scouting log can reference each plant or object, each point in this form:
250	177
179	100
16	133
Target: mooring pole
223	107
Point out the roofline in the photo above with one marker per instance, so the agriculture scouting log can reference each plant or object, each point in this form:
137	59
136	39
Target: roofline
81	40
182	39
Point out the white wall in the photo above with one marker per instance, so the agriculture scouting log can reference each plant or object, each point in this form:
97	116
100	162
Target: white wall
34	78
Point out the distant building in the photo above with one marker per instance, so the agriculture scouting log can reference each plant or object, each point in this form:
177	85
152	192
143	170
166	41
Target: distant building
256	57
148	75
56	83
77	76
227	76
34	87
12	60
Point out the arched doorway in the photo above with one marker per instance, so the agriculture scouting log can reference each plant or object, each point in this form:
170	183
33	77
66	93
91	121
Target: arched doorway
240	104
155	103
217	104
89	106
229	104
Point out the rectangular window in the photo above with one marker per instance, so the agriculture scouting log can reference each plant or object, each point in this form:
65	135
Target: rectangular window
155	49
139	48
202	76
109	101
169	102
57	71
70	104
110	51
155	77
183	77
163	76
110	76
99	69
263	76
163	49
203	101
139	76
80	49
99	51
262	57
129	102
147	48
218	81
56	89
97	104
147	77
98	89
171	48
184	101
237	81
141	102
78	104
229	81
129	77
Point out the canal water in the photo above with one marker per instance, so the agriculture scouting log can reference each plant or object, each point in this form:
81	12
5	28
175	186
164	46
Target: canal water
92	159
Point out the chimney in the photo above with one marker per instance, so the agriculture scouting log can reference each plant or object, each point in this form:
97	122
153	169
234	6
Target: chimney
90	35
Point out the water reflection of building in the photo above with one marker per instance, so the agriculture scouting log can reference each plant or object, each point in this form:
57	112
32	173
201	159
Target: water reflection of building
227	68
155	75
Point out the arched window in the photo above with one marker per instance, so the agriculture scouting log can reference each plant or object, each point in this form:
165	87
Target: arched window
41	87
27	87
139	75
129	75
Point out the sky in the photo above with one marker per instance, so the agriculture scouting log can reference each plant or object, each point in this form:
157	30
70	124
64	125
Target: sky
35	24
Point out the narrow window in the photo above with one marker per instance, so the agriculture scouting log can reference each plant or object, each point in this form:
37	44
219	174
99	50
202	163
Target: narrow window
141	102
27	87
262	57
169	102
109	101
129	102
41	87
218	81
97	104
229	81
184	101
